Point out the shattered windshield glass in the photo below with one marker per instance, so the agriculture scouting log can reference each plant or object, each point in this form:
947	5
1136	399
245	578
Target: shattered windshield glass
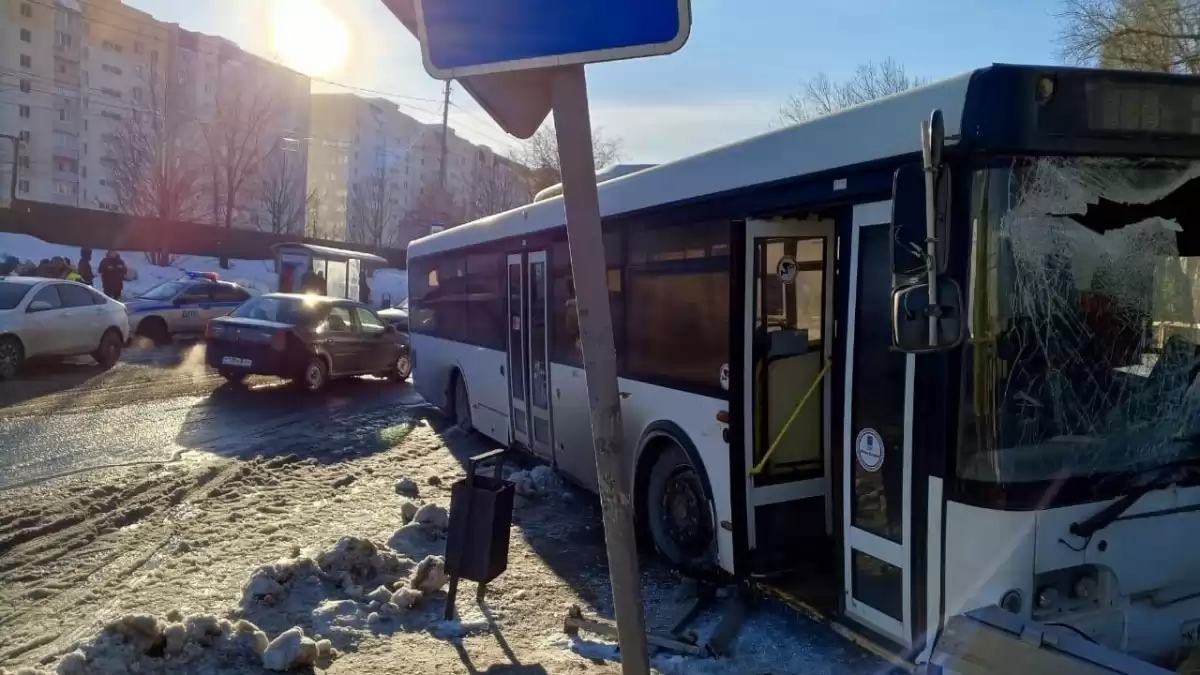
1085	319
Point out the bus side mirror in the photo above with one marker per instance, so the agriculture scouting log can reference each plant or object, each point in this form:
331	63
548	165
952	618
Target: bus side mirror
909	227
912	315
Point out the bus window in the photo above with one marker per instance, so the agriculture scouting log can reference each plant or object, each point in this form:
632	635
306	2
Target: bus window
565	346
485	303
678	313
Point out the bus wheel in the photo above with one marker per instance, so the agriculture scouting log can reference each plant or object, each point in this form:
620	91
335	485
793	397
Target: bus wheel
678	515
462	405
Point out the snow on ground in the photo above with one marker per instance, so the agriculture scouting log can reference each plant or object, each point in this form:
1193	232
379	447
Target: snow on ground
213	565
258	275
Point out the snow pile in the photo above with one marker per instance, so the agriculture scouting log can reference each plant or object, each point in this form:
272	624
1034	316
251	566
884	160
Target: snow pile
351	564
356	563
292	649
407	487
408	511
144	643
540	481
432	515
431	575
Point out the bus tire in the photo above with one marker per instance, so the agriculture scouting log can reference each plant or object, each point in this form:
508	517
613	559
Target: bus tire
460	402
678	514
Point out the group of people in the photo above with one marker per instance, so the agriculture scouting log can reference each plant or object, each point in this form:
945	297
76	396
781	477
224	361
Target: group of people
112	270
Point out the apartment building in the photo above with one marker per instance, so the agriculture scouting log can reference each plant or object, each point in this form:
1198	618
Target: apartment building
76	77
368	156
247	118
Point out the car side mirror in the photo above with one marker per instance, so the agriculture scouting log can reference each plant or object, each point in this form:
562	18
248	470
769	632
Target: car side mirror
920	325
389	328
39	306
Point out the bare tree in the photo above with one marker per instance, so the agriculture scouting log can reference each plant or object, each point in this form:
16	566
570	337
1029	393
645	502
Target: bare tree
540	154
870	81
281	192
373	214
153	171
496	186
239	138
1155	35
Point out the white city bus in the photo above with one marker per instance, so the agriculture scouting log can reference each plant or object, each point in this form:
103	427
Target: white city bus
1041	465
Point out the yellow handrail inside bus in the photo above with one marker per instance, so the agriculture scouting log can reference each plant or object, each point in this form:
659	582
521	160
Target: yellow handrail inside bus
788	424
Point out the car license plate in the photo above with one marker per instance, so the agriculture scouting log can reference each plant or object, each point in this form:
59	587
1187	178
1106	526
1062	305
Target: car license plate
235	361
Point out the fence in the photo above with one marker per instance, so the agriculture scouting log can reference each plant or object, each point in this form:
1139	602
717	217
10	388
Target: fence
72	226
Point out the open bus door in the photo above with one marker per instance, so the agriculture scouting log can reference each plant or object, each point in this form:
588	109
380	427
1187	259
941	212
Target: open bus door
789	334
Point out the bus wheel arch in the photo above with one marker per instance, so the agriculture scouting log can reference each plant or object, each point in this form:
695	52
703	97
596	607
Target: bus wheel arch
669	464
458	394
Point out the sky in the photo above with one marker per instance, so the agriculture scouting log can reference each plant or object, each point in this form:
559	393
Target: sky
743	60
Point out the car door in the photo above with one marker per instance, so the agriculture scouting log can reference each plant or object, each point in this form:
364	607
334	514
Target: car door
342	339
85	320
378	345
45	329
193	304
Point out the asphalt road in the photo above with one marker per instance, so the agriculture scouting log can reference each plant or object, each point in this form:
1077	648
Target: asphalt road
159	404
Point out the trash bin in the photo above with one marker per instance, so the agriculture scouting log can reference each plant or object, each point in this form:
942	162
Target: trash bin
481	509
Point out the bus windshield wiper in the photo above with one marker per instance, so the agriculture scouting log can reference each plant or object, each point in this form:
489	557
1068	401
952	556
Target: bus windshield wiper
1165	476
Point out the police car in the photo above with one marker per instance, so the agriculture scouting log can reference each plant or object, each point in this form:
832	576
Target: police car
183	306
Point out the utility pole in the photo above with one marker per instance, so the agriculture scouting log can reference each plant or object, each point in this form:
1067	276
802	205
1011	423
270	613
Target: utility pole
443	209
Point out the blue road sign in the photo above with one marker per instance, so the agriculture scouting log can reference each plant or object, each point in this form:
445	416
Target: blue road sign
474	37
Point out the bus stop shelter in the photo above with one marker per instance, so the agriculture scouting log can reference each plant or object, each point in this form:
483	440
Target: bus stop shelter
342	269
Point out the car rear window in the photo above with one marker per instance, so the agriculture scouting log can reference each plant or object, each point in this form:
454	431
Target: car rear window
292	311
12	294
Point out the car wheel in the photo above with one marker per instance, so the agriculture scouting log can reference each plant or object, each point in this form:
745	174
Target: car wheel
234	376
12	355
155	329
315	375
462	405
402	369
109	351
678	514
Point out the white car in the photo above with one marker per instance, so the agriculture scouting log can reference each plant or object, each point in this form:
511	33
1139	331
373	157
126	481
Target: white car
56	318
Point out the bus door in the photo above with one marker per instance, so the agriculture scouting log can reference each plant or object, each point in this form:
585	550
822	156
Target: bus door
529	353
877	528
789	333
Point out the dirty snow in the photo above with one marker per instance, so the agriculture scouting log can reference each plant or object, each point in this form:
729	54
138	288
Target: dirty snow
219	566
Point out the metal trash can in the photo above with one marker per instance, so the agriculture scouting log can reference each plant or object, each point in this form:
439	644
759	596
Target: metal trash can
481	511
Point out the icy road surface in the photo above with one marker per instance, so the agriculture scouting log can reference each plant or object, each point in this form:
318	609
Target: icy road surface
160	403
197	528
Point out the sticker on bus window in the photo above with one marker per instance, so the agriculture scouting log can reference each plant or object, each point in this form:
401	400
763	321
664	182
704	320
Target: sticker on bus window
785	271
868	448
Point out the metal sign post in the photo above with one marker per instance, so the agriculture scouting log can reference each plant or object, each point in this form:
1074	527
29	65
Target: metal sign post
585	237
520	59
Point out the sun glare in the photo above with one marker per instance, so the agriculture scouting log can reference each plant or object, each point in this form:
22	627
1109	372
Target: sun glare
308	36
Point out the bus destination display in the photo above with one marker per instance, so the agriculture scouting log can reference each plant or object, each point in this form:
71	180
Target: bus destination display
1116	106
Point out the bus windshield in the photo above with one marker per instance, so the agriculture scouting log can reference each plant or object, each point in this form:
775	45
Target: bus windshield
1085	319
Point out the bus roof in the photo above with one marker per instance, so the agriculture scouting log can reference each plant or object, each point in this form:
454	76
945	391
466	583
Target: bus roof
875	130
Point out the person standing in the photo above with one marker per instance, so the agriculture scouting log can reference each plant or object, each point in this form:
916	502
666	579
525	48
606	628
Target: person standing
85	266
112	274
364	291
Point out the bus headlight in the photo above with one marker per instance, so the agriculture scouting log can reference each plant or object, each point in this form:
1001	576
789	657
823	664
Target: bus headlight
1047	597
1085	587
